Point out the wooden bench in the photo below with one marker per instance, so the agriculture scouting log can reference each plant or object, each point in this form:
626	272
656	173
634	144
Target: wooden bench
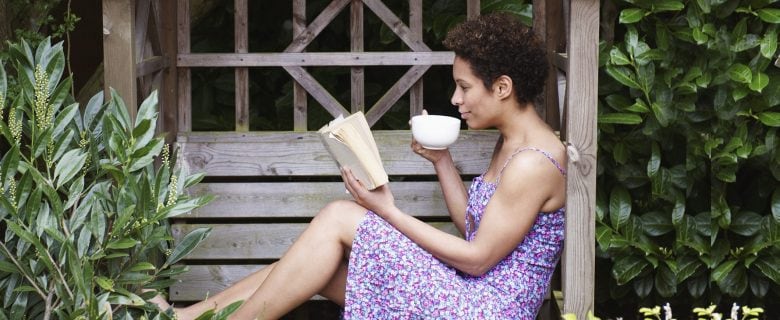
287	177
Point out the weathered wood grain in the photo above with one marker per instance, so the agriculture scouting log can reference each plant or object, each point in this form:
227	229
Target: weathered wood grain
305	199
253	240
305	59
118	53
302	153
579	251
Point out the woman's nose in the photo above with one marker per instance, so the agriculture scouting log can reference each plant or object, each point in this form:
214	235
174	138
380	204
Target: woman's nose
456	98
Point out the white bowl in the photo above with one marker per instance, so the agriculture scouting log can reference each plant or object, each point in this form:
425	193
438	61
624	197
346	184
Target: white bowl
434	131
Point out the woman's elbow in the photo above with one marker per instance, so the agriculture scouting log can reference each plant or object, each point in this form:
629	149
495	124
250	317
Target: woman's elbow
478	268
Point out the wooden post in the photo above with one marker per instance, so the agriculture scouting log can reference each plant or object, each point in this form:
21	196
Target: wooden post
300	105
548	26
167	94
416	26
582	82
184	75
241	31
472	9
357	74
118	53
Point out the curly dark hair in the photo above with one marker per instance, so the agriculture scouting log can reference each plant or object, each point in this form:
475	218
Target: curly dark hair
499	44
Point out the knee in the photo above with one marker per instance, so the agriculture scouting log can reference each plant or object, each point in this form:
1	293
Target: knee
339	211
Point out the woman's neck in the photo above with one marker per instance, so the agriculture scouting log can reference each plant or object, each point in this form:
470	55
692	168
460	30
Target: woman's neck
519	125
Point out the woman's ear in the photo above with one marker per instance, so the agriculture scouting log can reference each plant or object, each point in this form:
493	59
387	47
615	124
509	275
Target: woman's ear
502	87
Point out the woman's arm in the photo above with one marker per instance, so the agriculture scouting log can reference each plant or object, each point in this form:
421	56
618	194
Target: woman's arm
509	215
455	195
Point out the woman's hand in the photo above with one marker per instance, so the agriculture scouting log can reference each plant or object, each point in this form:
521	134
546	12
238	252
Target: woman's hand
433	156
379	200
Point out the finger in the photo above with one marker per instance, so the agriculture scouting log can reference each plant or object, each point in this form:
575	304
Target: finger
345	175
425	112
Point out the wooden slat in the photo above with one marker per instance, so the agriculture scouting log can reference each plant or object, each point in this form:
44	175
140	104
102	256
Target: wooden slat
300	98
579	251
320	22
203	281
357	75
394	93
149	66
118	53
472	9
331	59
394	23
305	199
168	90
302	153
416	26
185	77
253	240
241	31
316	90
141	25
561	61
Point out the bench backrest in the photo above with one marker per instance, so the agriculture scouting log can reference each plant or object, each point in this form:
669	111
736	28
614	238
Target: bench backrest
270	184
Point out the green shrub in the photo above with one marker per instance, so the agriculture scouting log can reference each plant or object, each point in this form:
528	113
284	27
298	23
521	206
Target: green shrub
688	199
83	208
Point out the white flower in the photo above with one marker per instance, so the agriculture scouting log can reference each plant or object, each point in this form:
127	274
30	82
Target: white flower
734	311
667	311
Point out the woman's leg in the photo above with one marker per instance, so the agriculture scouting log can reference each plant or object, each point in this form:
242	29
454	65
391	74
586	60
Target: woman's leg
240	290
313	264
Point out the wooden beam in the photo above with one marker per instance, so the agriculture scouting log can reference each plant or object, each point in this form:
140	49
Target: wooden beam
357	73
149	66
184	75
344	59
141	25
305	199
300	98
582	82
271	154
320	22
416	27
241	31
394	23
472	9
394	93
168	88
316	90
118	52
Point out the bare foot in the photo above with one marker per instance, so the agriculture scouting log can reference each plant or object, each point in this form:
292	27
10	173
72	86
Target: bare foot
160	301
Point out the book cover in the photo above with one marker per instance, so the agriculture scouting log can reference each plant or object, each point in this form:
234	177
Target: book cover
350	143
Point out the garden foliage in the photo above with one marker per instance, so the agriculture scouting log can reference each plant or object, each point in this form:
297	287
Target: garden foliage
688	197
86	193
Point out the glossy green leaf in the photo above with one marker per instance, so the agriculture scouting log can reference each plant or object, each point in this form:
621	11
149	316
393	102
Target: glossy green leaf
769	43
759	82
745	223
723	270
665	281
667	5
740	73
655	160
619	206
631	15
626	268
187	244
617	57
69	165
123	243
768	267
775	204
656	223
770	15
620	118
771	119
623	75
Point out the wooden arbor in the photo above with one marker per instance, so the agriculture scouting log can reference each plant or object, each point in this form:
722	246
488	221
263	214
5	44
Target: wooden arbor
147	47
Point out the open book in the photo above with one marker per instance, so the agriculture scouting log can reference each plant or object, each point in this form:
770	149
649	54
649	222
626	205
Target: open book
350	143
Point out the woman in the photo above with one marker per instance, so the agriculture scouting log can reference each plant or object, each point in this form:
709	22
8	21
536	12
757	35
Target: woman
379	262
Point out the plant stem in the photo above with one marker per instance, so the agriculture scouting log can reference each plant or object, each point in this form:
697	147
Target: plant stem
62	278
26	276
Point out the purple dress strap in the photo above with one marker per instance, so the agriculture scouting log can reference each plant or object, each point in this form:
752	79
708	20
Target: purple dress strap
545	153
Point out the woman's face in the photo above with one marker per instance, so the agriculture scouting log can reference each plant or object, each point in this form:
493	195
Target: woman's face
471	97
